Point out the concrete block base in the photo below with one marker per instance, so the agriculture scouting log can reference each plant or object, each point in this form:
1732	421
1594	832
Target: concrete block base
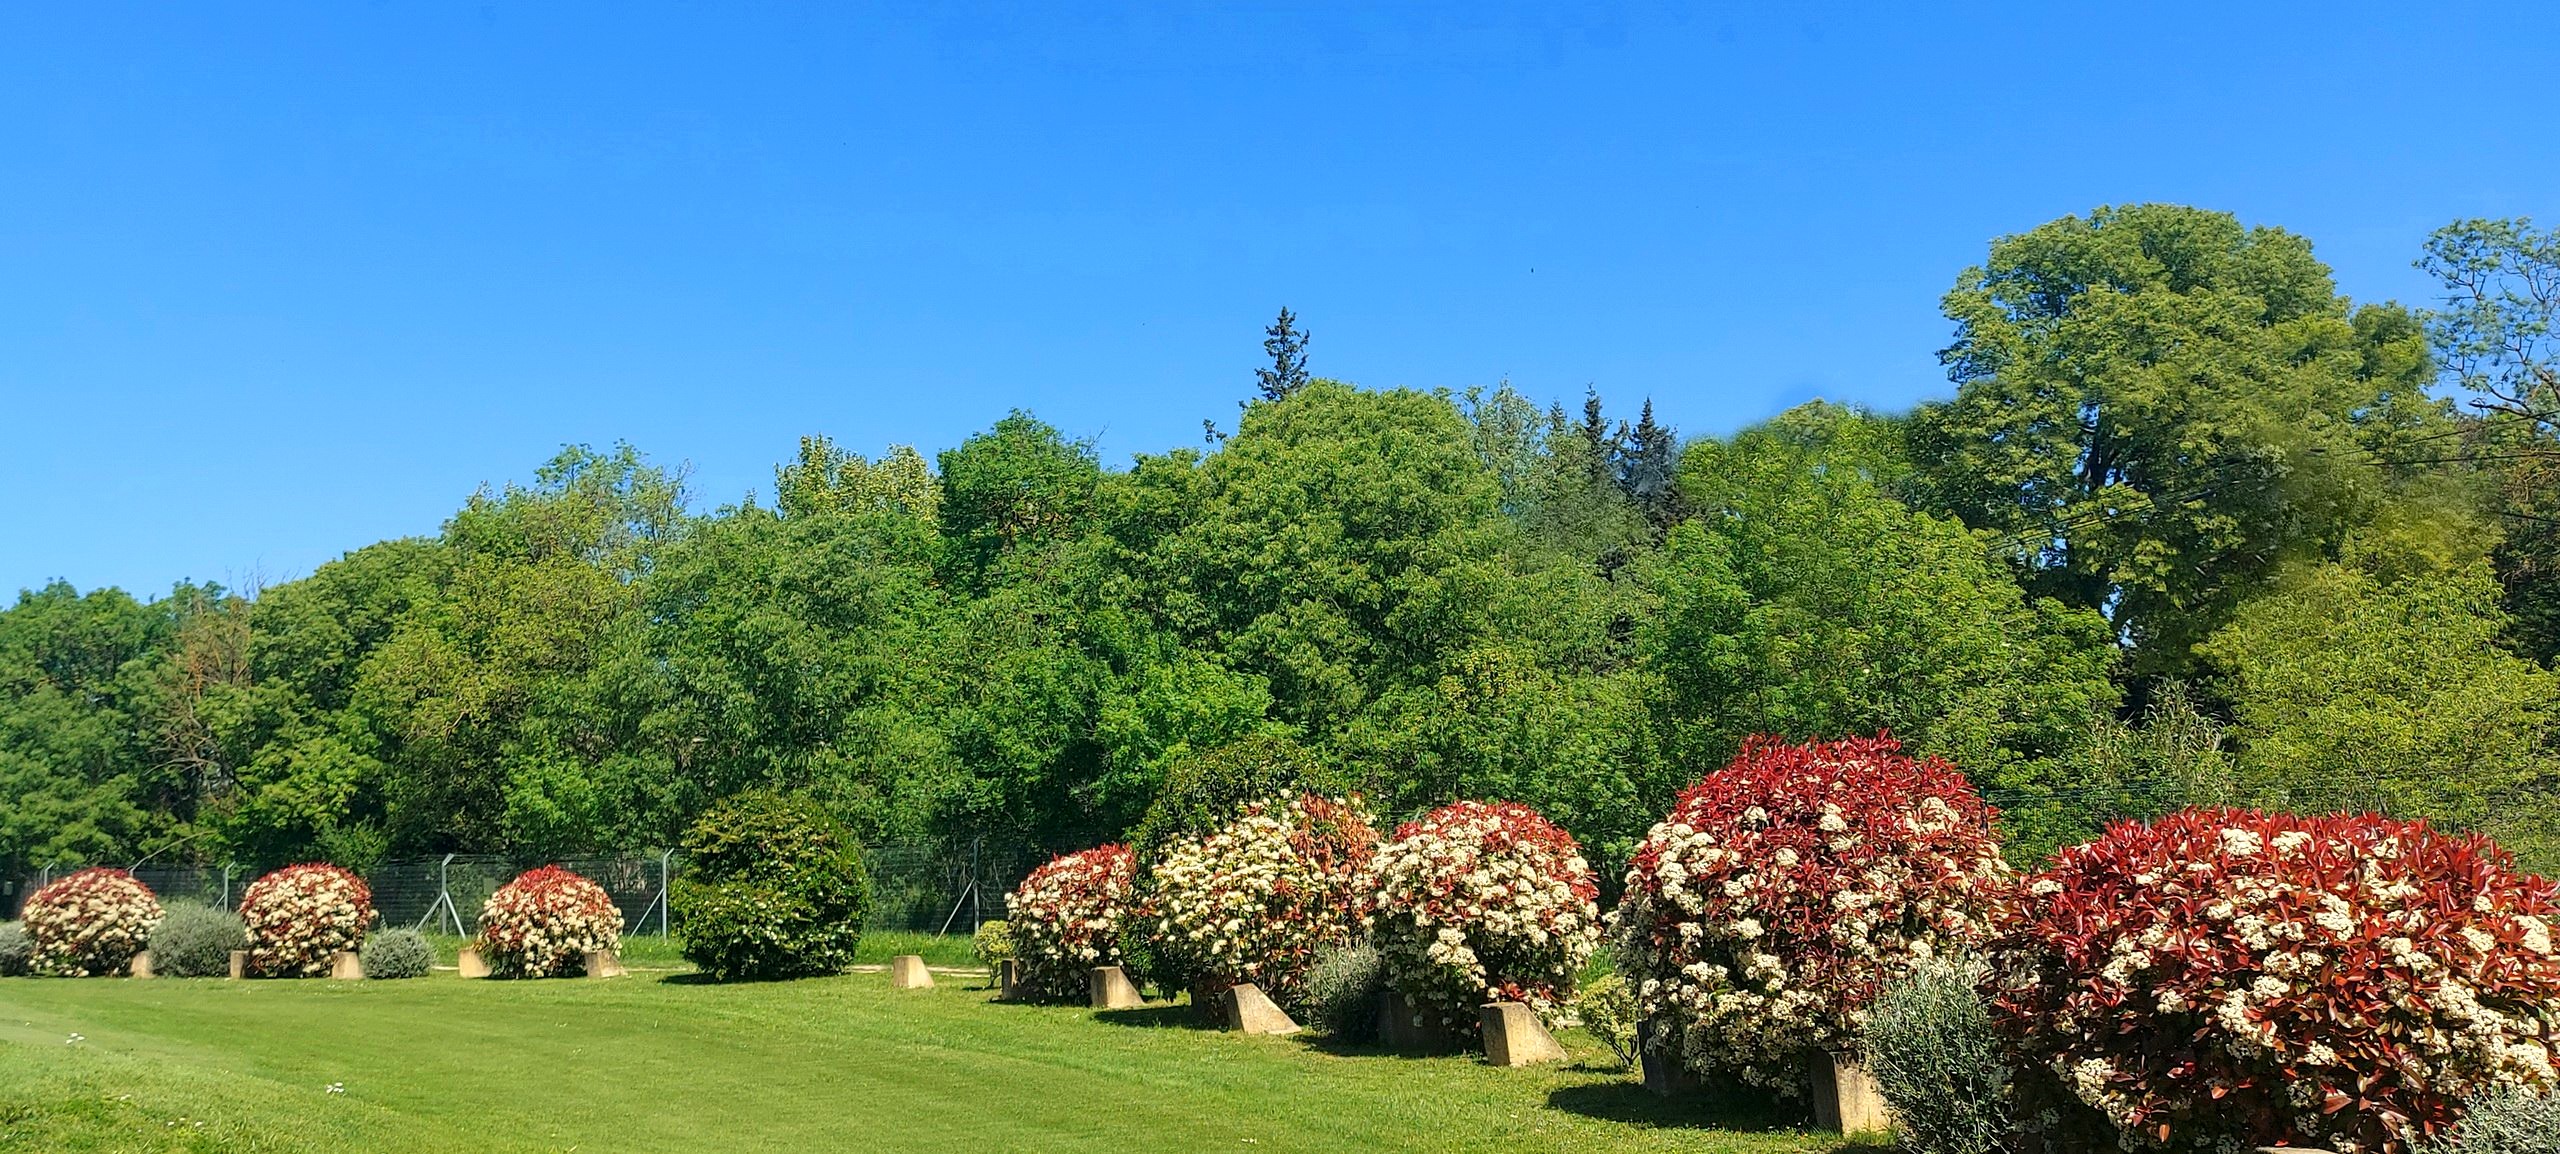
239	964
1250	1011
1109	988
346	967
1008	980
1845	1097
141	967
1665	1074
605	964
472	964
1513	1036
907	972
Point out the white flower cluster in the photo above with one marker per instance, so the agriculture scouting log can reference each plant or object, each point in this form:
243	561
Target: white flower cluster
1483	902
301	916
545	922
1066	917
1764	939
91	922
1253	901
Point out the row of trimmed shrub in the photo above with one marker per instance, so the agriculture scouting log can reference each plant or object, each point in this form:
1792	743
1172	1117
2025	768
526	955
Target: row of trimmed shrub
2216	978
294	922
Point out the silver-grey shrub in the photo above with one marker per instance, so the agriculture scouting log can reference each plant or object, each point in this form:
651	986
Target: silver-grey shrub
195	940
399	953
1343	989
1934	1054
2505	1121
15	950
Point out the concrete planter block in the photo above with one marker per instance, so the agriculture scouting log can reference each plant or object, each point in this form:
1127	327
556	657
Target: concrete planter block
1008	979
1845	1097
1108	988
1398	1030
239	964
471	963
604	964
346	967
1250	1011
907	972
1513	1036
142	964
1665	1074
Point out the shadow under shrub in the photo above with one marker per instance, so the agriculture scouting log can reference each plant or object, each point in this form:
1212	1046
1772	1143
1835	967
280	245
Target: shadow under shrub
398	953
195	940
775	889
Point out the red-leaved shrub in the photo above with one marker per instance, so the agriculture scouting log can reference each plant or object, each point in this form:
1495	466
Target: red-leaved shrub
544	923
2231	978
1763	915
1483	901
1065	919
301	916
88	923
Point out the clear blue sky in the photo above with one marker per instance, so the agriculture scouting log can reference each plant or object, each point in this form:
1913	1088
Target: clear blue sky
283	281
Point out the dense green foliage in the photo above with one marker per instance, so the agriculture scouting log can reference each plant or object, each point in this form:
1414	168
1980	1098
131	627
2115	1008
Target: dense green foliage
1343	991
16	951
195	940
1939	1062
2175	463
775	889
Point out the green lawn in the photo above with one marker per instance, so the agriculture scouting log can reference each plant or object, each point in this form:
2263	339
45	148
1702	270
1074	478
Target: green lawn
660	1062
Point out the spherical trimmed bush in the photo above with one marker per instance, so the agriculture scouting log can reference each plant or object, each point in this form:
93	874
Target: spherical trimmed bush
301	917
1254	901
1782	892
194	940
542	925
91	922
773	888
16	952
1483	901
398	953
2240	978
1066	918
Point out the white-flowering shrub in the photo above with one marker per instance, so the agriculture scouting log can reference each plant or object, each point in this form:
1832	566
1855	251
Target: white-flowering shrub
1254	901
1764	914
1065	919
1479	902
545	922
302	916
91	922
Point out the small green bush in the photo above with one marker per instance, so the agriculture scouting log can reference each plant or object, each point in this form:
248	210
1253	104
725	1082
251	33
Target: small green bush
1606	1010
1939	1062
773	888
2507	1121
993	943
1343	989
195	940
400	953
16	952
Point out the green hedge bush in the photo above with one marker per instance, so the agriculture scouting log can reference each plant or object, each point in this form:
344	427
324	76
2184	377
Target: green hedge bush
400	953
1940	1063
1343	988
2507	1121
773	888
195	940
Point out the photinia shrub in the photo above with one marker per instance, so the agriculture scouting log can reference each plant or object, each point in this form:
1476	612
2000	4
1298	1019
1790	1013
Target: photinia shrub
1066	919
2233	978
300	917
1763	915
1254	901
91	922
1483	901
542	924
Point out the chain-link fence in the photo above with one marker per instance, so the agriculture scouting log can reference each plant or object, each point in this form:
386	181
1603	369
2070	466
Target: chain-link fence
935	888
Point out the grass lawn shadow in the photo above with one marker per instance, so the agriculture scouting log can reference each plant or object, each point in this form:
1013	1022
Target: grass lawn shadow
1630	1103
1173	1015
